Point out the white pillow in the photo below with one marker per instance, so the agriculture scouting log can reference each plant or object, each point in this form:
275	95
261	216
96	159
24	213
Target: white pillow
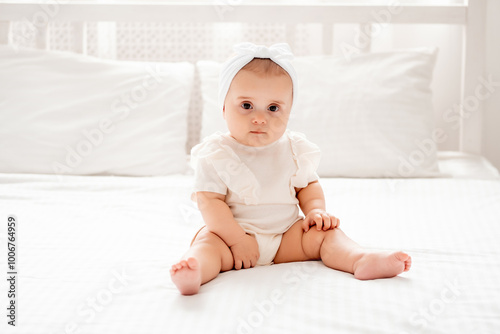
371	116
211	118
66	113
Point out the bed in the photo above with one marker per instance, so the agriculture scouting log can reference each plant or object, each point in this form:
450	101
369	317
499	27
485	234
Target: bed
98	181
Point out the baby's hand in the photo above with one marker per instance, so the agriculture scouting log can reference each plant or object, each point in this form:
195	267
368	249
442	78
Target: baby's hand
322	219
245	252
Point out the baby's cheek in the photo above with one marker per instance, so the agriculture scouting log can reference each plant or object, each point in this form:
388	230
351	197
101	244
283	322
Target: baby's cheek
279	124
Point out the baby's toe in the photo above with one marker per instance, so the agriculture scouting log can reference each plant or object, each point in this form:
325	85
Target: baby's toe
192	263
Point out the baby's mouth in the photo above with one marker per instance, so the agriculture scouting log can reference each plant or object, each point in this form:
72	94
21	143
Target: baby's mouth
257	132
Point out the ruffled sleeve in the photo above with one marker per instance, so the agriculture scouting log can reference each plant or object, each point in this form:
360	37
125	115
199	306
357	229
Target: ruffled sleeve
218	168
307	157
205	176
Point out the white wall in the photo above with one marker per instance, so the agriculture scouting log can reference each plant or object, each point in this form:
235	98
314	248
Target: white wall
491	125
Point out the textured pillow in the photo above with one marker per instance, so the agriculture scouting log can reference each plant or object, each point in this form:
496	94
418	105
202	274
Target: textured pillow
371	116
66	113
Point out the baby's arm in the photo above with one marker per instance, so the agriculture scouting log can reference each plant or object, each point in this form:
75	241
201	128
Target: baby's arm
312	203
220	221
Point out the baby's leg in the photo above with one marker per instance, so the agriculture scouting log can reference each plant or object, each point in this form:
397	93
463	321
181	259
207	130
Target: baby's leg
338	251
205	259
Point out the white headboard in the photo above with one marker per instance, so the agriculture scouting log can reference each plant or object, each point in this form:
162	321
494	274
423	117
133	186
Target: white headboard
30	22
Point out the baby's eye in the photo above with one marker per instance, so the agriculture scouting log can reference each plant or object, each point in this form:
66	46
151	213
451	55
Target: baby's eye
273	108
246	105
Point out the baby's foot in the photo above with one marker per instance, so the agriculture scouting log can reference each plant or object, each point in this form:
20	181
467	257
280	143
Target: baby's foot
381	265
186	275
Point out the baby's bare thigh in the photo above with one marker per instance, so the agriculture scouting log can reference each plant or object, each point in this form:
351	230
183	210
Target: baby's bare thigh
211	244
297	245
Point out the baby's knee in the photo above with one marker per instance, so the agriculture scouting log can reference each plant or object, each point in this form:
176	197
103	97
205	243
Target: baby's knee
211	244
205	237
312	242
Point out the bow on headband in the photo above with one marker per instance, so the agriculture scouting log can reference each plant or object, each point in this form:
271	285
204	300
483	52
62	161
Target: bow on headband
276	51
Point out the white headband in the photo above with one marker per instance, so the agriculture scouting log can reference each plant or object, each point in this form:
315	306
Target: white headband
280	53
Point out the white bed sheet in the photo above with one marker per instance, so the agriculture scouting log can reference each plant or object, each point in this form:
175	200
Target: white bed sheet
95	253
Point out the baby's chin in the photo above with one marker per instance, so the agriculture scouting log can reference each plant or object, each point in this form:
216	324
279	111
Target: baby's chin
257	139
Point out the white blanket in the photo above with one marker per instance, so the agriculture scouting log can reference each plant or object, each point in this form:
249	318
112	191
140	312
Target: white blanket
95	252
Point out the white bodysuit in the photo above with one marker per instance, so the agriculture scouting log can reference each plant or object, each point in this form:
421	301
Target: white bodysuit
259	182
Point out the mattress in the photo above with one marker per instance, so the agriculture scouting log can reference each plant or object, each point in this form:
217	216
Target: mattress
94	255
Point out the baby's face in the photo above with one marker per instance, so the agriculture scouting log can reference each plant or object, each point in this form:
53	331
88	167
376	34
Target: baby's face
257	107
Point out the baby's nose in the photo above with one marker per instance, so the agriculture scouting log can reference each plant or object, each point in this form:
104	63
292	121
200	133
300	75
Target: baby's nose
259	118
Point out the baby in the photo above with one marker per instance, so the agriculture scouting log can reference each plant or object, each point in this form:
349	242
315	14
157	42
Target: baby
251	181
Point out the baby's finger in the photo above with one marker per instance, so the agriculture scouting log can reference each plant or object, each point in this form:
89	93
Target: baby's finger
327	222
319	221
254	260
305	224
335	221
237	264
